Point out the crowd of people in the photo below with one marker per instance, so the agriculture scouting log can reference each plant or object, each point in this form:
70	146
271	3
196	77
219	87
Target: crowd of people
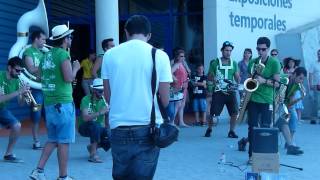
115	111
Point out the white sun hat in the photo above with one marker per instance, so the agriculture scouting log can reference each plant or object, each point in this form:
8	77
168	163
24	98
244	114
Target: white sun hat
60	31
97	84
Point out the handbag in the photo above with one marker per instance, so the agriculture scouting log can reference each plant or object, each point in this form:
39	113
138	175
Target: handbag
167	133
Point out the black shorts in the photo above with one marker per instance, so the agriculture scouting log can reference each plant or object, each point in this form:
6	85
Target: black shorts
220	99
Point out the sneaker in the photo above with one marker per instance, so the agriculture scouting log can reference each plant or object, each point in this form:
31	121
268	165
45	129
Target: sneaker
292	150
249	162
232	134
37	146
12	158
95	159
66	178
293	146
37	175
208	132
242	144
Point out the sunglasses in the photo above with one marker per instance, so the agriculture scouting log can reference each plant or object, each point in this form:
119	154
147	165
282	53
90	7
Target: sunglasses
18	70
261	49
274	54
227	43
70	37
98	91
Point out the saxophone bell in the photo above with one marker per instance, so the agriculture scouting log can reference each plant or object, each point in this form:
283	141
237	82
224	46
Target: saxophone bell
250	85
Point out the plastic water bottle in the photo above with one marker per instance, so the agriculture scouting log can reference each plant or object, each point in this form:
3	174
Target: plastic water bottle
222	162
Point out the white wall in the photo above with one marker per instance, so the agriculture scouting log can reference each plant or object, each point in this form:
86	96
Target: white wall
293	14
209	31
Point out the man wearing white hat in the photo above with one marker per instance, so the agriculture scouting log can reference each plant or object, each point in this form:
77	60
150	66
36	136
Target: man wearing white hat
91	122
57	74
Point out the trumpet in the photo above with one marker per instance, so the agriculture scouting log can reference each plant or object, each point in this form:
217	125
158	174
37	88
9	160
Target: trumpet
29	99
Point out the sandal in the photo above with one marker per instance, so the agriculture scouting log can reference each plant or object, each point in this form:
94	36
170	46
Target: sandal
95	159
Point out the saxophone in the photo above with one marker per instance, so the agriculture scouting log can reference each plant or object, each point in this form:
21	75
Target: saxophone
281	110
250	85
303	94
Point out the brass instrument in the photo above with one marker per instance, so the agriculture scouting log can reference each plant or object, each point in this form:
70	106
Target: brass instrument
280	108
29	99
303	94
36	17
250	85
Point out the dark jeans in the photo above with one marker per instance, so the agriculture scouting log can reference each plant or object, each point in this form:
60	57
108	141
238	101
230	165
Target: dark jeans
135	157
94	131
259	115
7	119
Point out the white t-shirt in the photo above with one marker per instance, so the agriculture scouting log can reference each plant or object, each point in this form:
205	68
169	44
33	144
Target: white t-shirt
315	71
128	67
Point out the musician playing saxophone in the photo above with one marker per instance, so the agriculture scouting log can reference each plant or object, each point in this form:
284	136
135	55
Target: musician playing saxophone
31	59
10	89
224	73
294	86
261	101
282	121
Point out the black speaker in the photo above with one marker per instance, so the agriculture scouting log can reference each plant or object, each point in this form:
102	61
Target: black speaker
265	140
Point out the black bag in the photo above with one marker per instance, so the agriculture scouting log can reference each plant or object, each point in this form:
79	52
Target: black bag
167	133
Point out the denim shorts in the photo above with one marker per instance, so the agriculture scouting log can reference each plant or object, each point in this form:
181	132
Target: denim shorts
133	152
199	105
60	121
38	97
7	119
293	121
93	130
171	110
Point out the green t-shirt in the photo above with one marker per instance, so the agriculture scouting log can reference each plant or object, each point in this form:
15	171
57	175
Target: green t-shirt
93	106
55	89
35	54
218	72
291	89
7	86
264	93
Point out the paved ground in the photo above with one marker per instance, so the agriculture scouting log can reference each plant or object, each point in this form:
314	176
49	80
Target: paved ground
192	157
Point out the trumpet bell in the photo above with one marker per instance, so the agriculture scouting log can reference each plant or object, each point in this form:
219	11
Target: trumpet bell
36	107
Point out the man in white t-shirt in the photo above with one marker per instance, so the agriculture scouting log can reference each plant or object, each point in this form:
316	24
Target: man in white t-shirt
126	70
314	83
